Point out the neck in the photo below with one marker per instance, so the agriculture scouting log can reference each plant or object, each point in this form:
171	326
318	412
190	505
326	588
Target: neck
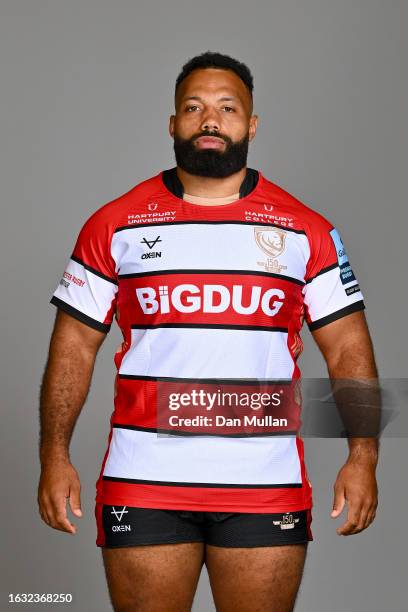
211	187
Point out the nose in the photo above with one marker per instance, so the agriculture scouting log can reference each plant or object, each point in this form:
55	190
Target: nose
210	122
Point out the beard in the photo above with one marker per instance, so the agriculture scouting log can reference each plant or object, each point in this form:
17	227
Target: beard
211	163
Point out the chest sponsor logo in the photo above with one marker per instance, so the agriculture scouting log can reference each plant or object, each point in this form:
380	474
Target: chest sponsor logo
272	242
151	244
187	298
288	521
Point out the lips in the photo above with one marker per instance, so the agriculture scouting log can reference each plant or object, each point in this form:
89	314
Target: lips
209	142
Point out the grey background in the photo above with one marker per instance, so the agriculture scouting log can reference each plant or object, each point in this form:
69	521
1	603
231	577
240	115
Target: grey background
86	94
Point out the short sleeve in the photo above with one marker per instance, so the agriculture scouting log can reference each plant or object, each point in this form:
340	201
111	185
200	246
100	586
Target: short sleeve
331	290
88	287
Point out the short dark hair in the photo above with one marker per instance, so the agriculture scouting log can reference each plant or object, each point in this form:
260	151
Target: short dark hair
212	59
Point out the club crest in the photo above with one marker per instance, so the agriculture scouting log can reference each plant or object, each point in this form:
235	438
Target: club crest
272	242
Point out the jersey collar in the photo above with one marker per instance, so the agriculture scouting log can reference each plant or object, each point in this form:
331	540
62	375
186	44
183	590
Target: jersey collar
174	185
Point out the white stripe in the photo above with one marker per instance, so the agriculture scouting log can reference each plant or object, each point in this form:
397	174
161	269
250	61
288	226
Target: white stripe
208	353
93	299
326	294
149	456
207	247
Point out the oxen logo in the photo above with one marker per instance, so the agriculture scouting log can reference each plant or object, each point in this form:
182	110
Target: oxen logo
119	513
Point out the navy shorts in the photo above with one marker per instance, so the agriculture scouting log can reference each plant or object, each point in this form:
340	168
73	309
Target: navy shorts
130	526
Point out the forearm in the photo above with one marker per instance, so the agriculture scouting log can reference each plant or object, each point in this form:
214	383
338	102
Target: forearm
348	351
64	389
354	380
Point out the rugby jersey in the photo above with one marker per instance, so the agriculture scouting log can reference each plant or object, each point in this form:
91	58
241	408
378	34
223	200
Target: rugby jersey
204	294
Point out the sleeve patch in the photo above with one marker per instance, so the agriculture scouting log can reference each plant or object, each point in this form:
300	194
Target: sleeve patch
346	272
352	289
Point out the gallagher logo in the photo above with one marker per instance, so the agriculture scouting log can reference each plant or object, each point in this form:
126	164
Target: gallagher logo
210	298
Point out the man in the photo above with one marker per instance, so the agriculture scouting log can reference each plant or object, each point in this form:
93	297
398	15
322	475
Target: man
210	270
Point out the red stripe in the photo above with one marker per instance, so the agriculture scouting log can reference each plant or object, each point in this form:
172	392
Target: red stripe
308	523
100	536
307	487
131	312
144	403
205	499
99	482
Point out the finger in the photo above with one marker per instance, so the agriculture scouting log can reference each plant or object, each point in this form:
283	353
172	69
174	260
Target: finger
346	528
44	516
352	521
338	503
75	500
43	507
55	512
59	519
371	511
362	520
370	518
62	523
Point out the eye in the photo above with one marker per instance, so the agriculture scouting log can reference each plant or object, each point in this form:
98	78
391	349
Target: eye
192	107
229	108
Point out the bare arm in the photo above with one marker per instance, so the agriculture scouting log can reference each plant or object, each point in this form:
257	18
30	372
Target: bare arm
65	386
347	349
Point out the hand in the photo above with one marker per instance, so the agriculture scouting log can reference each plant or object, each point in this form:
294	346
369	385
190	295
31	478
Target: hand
59	481
356	483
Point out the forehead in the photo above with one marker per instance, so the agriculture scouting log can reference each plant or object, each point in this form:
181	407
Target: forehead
206	82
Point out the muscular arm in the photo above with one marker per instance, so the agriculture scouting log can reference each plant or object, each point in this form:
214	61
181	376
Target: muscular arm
65	386
348	351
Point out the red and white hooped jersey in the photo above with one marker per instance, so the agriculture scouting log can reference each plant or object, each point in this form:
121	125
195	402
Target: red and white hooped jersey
204	293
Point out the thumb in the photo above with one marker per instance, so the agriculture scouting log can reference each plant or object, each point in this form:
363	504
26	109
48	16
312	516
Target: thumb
338	503
75	501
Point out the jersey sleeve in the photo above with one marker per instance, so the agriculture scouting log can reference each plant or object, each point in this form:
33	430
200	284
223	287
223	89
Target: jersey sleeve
88	287
331	290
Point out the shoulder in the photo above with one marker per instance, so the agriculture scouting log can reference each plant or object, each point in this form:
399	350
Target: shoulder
311	220
114	213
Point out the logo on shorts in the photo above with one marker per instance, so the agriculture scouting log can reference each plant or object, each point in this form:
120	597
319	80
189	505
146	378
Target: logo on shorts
288	521
119	513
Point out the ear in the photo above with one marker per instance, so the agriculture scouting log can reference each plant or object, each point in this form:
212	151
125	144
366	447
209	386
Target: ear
171	125
253	124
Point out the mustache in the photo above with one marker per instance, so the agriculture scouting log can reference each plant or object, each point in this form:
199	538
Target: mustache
212	134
